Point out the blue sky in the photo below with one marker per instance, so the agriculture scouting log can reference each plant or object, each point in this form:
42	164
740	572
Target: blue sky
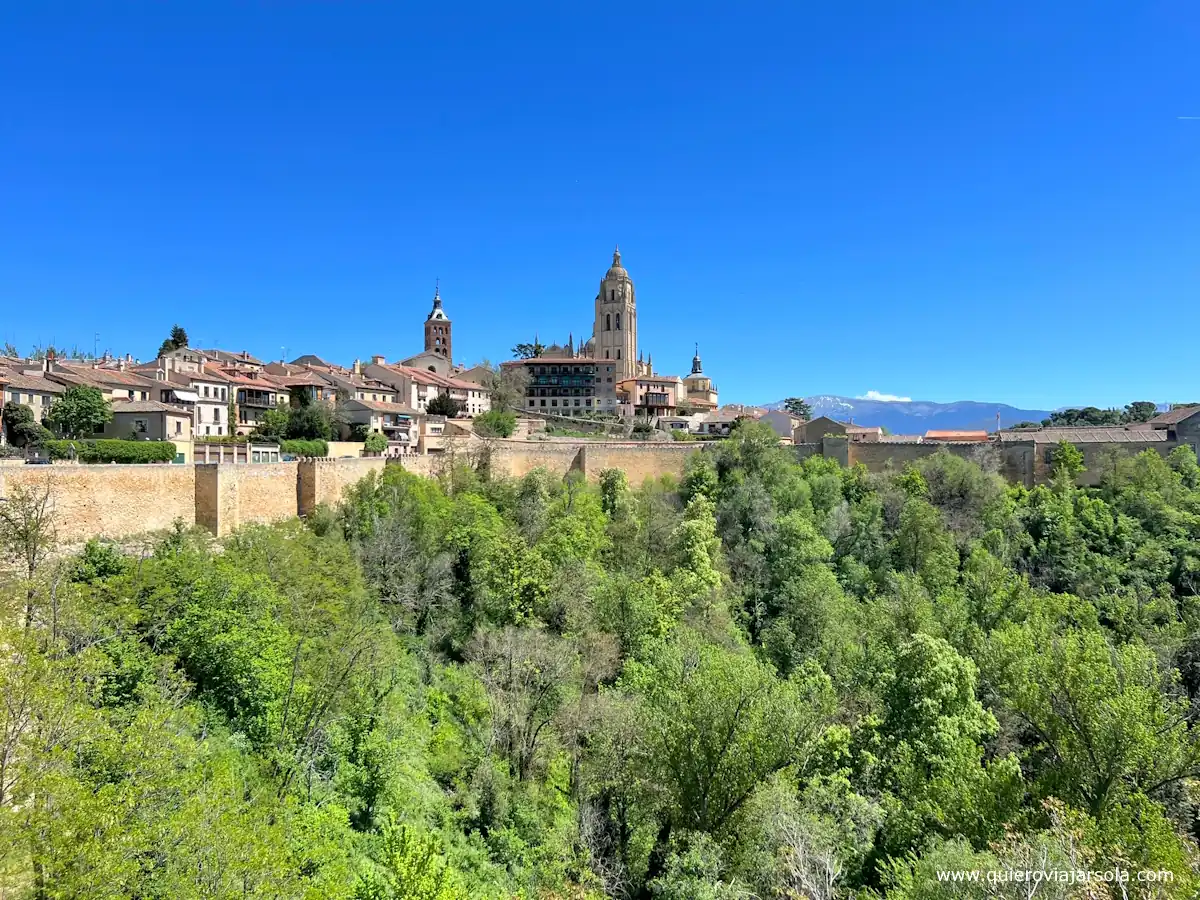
985	200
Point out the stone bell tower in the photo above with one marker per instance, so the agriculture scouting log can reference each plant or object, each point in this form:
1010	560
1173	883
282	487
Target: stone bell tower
437	328
615	332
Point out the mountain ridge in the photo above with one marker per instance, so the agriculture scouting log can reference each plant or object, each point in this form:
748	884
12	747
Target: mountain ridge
919	416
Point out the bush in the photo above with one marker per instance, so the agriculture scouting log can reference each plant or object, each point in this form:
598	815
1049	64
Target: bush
113	451
375	443
497	423
304	448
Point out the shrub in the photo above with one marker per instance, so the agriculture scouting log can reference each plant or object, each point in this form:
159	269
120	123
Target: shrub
304	448
375	443
113	451
496	423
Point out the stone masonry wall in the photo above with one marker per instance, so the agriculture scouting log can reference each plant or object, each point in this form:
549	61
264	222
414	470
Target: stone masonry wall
92	501
121	501
325	480
266	492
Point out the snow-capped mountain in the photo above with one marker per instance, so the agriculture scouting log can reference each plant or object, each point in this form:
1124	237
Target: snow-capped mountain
919	416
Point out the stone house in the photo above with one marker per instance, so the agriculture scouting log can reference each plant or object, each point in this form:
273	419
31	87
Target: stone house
34	391
254	392
185	378
650	395
784	423
398	423
116	381
151	420
813	430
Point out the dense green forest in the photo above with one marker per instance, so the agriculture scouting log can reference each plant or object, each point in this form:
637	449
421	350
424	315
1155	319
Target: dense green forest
764	680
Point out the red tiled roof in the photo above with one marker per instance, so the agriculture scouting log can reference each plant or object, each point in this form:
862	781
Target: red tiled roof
258	380
101	377
34	383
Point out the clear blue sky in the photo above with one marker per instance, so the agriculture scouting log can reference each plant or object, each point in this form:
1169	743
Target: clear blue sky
983	200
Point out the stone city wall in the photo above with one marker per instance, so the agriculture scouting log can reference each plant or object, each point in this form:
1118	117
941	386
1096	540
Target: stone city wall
90	501
122	501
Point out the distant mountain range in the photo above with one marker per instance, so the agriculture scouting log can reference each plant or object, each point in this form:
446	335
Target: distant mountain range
919	416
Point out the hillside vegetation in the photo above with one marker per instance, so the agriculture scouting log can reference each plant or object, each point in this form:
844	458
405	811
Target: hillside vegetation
766	680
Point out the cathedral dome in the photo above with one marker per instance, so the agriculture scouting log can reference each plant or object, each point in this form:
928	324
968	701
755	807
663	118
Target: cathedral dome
616	270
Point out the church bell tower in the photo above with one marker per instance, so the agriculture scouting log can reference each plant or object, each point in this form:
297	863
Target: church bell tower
437	328
615	331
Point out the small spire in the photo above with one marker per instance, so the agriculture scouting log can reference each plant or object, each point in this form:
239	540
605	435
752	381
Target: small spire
616	255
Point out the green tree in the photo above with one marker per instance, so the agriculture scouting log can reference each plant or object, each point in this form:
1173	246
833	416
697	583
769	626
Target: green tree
274	424
1088	415
375	442
528	351
443	405
412	866
798	407
497	422
177	340
21	429
81	412
1103	722
1067	460
716	724
1140	411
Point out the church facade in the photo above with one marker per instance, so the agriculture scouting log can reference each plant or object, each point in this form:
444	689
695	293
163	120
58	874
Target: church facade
622	370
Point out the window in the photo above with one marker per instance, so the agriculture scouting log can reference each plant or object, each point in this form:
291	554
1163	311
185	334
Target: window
139	426
606	357
618	353
608	321
543	402
178	426
576	402
217	414
223	393
612	294
554	403
618	321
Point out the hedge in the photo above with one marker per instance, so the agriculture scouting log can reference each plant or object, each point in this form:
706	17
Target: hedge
113	451
304	448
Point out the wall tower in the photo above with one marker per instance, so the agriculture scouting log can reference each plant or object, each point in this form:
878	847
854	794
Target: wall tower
437	328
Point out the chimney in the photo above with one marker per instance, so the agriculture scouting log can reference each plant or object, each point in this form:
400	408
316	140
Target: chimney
245	354
121	365
377	360
358	367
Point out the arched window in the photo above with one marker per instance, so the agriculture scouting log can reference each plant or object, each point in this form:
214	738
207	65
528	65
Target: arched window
618	353
618	321
606	354
608	321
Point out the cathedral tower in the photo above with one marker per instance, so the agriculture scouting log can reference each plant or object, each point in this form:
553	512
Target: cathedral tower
437	328
615	331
